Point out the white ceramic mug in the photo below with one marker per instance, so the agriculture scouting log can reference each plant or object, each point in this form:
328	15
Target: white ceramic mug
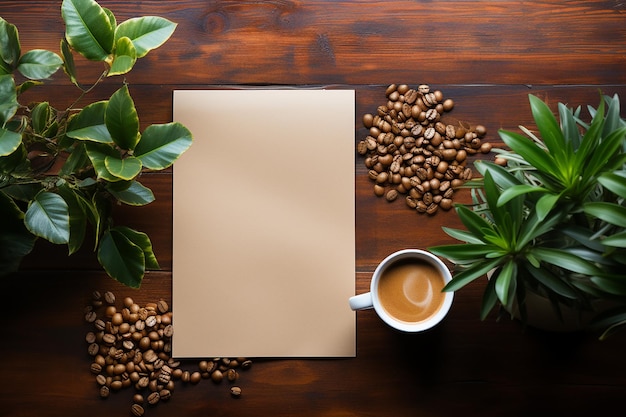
409	266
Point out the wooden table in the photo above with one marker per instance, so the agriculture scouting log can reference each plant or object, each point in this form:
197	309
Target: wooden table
486	55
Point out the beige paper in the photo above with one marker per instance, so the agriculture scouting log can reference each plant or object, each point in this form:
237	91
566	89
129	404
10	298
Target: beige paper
264	251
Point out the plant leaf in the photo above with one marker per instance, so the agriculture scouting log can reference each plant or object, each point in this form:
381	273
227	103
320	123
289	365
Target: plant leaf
162	144
97	153
476	270
78	218
552	282
462	235
89	124
68	62
123	260
565	260
549	129
614	182
88	28
146	33
534	155
10	49
506	282
133	194
617	240
126	168
8	99
124	58
490	299
474	222
120	117
9	142
48	217
463	252
143	241
609	212
39	64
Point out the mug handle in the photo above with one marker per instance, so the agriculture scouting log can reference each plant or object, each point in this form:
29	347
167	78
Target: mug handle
361	301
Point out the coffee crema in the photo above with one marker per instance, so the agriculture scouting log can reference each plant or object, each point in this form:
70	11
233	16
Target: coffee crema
410	290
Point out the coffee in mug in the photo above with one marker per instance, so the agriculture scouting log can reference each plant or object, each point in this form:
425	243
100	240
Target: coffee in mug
406	291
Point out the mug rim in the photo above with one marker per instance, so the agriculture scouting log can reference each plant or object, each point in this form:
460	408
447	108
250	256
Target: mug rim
432	320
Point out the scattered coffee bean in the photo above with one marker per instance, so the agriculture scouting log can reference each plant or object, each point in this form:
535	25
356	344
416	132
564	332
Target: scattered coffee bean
235	392
411	150
131	347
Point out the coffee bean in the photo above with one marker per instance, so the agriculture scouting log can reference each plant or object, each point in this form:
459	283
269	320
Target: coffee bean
235	392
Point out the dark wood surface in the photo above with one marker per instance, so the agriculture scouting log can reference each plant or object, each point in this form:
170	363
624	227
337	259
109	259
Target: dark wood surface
486	55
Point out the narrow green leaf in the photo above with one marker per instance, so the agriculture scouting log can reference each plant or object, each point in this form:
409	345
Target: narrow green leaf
462	253
146	33
462	235
590	141
609	212
477	270
614	182
123	260
549	130
516	191
618	240
490	299
506	281
121	119
545	204
39	64
133	194
162	144
124	58
143	241
611	285
598	160
552	282
474	222
89	124
565	260
500	176
47	216
88	28
27	85
534	155
125	169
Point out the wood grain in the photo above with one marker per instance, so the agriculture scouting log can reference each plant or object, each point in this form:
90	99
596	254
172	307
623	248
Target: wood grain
486	55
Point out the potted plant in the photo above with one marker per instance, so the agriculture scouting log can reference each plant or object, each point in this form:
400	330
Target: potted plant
62	171
550	222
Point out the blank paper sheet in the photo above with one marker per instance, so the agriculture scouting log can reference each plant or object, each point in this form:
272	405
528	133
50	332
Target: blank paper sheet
263	245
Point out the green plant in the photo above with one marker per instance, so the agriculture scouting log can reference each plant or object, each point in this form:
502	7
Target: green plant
62	171
553	219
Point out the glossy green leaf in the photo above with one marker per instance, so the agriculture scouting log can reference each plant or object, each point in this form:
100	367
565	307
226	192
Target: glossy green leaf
535	156
477	270
8	99
609	212
552	282
15	164
121	119
122	259
570	129
97	153
10	49
15	240
549	129
78	218
565	260
611	285
545	204
615	182
88	28
134	194
617	240
474	222
146	33
490	299
69	67
516	191
27	85
9	142
89	124
76	162
39	64
500	176
143	241
462	253
40	116
162	144
590	140
125	169
462	235
506	283
598	160
124	58
48	217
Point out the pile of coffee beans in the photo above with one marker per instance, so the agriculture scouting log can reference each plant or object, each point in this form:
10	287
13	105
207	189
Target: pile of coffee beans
411	151
130	346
